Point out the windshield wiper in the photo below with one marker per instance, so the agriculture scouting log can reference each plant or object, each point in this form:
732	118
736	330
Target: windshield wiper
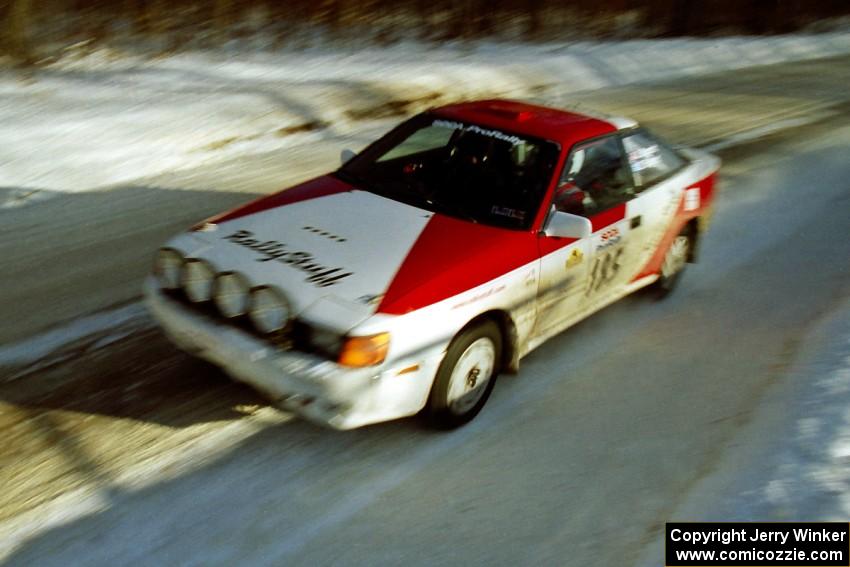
461	214
452	211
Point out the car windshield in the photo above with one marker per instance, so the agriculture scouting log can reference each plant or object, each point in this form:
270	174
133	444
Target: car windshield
459	169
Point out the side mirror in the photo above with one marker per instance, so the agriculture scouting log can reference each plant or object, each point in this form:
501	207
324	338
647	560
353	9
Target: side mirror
346	155
565	225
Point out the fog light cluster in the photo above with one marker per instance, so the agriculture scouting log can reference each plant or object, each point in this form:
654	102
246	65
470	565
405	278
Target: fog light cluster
231	292
265	306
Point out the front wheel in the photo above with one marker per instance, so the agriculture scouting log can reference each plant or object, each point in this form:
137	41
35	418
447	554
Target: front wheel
465	377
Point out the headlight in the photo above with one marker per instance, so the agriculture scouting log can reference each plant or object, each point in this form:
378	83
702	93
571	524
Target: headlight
231	294
325	341
167	267
270	310
197	279
364	351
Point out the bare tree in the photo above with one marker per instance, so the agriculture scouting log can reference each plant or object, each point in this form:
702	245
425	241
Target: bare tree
222	17
16	30
680	19
533	10
762	16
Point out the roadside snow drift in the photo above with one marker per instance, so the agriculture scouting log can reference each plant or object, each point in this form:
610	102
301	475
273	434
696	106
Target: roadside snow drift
89	122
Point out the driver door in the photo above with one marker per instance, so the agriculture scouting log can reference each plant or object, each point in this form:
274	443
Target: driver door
577	276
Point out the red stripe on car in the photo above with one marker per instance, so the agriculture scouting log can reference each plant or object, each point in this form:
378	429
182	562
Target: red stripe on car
608	217
452	256
682	217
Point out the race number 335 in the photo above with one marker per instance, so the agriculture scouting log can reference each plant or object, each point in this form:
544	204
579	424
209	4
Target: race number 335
604	270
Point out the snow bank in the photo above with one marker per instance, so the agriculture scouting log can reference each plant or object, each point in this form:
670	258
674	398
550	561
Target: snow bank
90	122
810	477
67	341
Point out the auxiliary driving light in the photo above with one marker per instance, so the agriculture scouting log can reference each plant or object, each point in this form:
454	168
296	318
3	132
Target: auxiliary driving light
167	266
270	310
197	278
231	294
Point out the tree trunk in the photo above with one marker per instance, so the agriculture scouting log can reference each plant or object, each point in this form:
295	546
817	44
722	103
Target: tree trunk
763	15
533	9
222	18
680	19
17	40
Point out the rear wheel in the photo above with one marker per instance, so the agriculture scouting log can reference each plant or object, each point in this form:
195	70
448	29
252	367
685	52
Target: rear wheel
466	376
674	262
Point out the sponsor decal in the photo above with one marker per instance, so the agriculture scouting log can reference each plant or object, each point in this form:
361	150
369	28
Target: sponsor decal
514	140
575	257
272	250
692	199
325	233
609	238
508	212
643	158
480	296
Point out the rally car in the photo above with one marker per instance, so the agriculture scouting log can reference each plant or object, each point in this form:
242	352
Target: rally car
408	279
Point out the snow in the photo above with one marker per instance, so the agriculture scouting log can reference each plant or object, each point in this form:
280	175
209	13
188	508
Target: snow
89	122
811	474
91	332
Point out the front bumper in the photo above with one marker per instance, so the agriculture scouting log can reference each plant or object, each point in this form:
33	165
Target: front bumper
316	388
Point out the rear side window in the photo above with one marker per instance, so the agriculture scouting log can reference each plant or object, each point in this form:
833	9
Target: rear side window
650	159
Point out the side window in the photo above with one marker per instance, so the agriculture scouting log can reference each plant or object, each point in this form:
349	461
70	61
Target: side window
595	177
650	159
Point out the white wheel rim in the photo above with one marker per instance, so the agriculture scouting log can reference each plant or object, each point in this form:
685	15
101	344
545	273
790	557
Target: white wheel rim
470	376
676	257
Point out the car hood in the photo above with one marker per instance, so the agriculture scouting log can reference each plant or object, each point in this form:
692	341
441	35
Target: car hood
333	256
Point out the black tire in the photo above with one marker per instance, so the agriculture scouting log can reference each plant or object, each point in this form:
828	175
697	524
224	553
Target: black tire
444	409
672	268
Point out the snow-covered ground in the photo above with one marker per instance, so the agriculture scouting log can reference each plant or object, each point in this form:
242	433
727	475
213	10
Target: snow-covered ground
92	121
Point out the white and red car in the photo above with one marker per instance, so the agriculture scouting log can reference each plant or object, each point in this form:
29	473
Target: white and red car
433	260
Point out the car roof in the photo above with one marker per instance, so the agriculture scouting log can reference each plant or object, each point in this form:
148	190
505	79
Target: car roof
563	126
